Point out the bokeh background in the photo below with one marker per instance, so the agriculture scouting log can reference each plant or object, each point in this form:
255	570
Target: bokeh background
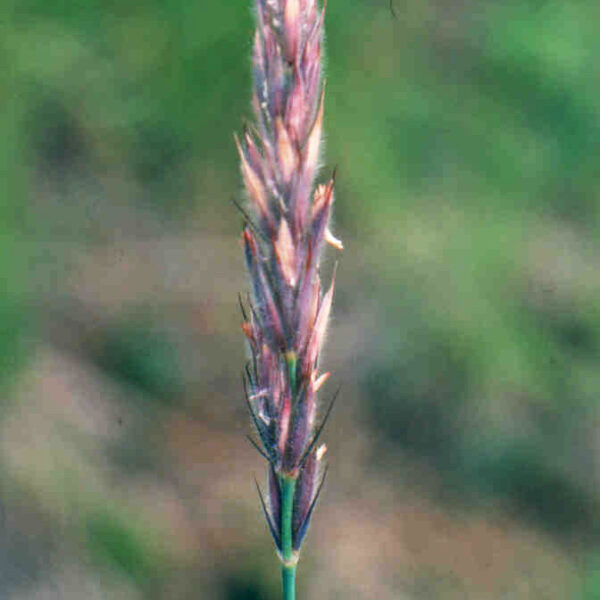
464	449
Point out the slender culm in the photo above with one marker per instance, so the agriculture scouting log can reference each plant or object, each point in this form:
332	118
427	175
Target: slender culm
286	227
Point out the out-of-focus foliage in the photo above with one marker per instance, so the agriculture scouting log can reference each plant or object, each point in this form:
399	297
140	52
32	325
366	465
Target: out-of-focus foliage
467	136
12	210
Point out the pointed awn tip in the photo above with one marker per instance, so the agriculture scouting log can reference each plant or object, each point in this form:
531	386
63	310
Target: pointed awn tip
315	438
301	532
242	309
270	523
259	449
248	220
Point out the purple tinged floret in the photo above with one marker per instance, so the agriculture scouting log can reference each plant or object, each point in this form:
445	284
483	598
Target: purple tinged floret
274	495
306	487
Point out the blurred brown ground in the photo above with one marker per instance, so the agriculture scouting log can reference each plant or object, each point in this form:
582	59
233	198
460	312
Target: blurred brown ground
65	440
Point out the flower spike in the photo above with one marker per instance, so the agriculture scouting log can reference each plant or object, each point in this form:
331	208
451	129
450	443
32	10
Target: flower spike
286	226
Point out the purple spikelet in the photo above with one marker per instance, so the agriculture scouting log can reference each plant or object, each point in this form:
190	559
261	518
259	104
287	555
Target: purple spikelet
287	224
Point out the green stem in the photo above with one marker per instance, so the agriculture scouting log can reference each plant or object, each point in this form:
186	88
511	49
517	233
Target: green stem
292	362
289	558
288	575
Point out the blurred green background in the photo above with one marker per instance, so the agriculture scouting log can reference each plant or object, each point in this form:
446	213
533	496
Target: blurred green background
465	448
